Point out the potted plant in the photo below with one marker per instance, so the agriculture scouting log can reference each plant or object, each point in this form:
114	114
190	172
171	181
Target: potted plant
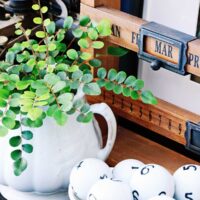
46	125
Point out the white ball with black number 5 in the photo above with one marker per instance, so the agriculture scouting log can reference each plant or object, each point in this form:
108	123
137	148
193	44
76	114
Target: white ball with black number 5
151	180
110	189
87	173
124	170
187	181
163	197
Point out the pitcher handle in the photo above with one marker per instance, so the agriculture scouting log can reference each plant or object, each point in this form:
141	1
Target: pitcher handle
104	110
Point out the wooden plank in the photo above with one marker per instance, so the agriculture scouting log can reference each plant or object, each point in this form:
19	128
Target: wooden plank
96	3
165	118
127	32
131	145
126	26
93	3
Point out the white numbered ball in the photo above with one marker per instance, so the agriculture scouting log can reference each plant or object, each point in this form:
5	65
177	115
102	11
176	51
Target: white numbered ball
110	189
151	180
163	197
187	182
87	173
124	170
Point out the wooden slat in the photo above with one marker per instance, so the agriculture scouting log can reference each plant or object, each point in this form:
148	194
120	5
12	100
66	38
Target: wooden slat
131	145
93	3
96	3
165	118
127	32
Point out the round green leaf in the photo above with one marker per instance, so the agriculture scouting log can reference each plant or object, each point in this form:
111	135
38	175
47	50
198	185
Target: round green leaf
95	62
60	117
126	92
85	56
121	76
37	20
16	154
109	85
72	54
34	113
77	33
118	89
112	74
51	47
4	94
58	86
85	108
91	89
138	84
73	68
130	81
35	7
3	103
19	166
47	22
40	34
84	20
101	73
18	32
3	131
85	118
83	43
68	22
51	28
135	95
8	122
97	45
117	51
92	34
148	98
21	85
44	9
27	135
51	110
104	28
87	78
28	148
15	141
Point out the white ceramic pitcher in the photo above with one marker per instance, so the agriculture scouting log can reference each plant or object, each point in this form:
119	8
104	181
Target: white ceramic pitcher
56	150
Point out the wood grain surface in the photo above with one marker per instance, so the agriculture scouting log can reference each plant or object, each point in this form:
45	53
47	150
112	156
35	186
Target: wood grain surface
131	145
127	34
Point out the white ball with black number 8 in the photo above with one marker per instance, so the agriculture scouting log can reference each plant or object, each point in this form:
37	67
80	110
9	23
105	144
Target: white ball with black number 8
110	189
85	174
187	181
151	180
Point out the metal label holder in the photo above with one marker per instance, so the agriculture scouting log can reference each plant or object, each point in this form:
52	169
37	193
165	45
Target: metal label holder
192	136
167	35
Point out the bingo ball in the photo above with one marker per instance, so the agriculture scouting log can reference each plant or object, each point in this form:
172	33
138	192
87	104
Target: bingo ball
85	174
163	197
124	170
110	189
151	180
187	184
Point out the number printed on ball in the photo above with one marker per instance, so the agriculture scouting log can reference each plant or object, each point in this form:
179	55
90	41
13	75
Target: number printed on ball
151	180
187	182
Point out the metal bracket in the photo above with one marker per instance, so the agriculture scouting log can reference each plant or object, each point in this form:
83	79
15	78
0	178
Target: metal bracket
169	47
192	136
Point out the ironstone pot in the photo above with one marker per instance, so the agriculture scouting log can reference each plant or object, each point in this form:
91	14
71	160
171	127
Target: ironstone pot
56	150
